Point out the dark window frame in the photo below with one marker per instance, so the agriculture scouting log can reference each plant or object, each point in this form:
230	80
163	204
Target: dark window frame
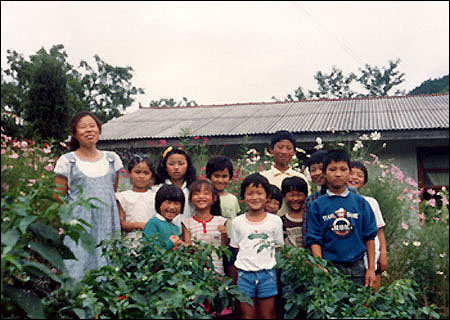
421	171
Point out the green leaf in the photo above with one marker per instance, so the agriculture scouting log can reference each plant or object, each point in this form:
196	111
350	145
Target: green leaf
28	302
45	231
25	222
39	269
10	237
80	313
48	253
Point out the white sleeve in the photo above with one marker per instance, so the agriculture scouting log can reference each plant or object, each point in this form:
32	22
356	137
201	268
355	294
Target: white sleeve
117	162
234	238
278	232
377	211
62	166
120	196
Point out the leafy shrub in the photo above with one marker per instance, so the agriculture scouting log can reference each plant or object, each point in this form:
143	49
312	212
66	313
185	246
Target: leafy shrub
150	283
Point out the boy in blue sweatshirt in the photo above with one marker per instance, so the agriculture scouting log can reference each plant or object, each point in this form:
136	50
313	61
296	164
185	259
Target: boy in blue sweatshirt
341	224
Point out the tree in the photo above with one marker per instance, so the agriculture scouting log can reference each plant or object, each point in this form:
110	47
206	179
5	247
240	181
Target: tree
380	82
170	102
338	86
333	85
46	91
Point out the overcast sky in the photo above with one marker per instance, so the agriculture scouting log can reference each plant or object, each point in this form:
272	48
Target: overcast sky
235	52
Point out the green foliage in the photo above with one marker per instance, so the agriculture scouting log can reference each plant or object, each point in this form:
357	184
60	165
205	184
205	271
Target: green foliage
429	86
333	85
149	283
33	229
379	82
170	102
313	293
45	91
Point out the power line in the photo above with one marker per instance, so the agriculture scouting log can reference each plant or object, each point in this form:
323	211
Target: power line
347	49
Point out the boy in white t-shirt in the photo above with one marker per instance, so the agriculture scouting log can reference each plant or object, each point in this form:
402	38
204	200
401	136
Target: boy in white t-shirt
358	179
256	273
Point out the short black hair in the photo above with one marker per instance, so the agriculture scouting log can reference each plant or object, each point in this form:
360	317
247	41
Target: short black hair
362	167
219	163
316	157
257	180
282	135
73	143
275	193
138	159
294	184
169	192
335	155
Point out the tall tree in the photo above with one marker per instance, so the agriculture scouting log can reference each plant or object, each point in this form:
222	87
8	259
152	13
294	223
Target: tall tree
46	91
380	82
333	85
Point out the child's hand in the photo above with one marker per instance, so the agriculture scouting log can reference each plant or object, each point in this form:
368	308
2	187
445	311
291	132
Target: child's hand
176	240
222	229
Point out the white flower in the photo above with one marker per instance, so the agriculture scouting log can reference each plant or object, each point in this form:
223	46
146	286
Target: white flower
405	243
74	222
117	269
83	296
340	144
6	219
439	272
442	255
416	243
384	145
300	150
318	147
358	145
364	137
375	136
319	140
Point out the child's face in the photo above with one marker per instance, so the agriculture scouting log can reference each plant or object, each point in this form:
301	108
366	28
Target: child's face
176	166
316	173
87	131
337	175
255	197
356	179
202	198
220	179
282	152
295	200
140	176
170	209
272	206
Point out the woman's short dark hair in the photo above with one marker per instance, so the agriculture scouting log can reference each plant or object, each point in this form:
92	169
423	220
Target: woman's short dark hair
362	167
197	185
335	155
219	163
294	184
136	159
73	143
275	193
161	170
257	180
169	192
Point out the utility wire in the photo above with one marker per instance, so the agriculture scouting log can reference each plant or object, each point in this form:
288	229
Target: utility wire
349	51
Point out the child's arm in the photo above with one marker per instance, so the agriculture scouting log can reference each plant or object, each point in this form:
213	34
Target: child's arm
126	225
382	261
186	234
223	234
370	272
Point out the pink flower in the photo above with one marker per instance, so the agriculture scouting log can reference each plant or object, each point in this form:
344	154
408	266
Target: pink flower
375	158
404	226
162	142
196	137
49	167
205	140
431	191
411	182
61	231
444	201
3	151
435	218
203	168
31	182
422	216
14	156
152	143
432	202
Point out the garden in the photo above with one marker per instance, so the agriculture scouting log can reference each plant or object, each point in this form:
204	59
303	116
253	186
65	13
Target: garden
177	284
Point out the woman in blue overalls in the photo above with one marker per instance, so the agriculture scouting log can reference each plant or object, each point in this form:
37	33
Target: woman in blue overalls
96	172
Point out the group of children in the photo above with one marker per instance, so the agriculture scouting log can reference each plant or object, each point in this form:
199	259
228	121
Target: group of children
335	223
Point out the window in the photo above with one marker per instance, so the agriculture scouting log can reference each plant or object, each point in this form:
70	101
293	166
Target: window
432	166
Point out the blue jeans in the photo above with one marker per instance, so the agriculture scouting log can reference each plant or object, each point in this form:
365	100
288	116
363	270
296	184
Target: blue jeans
258	284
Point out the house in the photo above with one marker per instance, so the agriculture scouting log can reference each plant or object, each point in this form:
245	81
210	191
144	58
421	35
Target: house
414	128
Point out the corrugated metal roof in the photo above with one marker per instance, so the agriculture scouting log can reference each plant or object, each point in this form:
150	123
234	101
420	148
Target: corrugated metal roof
362	114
